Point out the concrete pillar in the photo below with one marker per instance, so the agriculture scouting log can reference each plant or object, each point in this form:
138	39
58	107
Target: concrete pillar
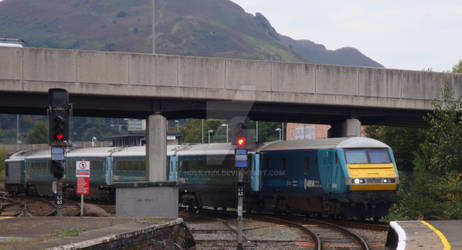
156	148
157	197
346	128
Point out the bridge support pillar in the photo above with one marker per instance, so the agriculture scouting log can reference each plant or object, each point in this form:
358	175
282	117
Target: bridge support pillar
156	148
157	197
346	128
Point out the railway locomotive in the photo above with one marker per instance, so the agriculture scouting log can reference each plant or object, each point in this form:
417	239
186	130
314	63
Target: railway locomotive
347	177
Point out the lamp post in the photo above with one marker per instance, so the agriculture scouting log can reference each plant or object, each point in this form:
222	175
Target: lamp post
177	125
202	131
226	125
208	133
256	132
280	133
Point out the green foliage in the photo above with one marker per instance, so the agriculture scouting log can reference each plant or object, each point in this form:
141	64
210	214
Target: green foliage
191	131
71	232
434	191
3	156
403	141
38	134
457	68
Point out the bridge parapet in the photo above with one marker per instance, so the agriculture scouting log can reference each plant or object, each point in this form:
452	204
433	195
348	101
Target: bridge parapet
90	73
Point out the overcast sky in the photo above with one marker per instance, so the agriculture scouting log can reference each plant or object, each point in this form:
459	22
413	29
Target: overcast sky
410	34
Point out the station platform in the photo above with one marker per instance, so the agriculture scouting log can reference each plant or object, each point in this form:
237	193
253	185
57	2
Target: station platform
426	234
93	233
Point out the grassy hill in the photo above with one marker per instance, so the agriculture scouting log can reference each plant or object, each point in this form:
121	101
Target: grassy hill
218	28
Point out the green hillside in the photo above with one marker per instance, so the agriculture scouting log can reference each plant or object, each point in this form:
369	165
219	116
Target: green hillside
186	27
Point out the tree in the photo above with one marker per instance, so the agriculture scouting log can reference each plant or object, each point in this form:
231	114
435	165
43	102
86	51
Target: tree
436	192
457	68
403	141
38	134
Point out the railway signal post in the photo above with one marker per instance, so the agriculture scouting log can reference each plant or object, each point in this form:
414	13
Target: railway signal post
59	113
241	164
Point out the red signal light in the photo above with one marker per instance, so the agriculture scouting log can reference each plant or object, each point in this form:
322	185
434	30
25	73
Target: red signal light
59	137
241	141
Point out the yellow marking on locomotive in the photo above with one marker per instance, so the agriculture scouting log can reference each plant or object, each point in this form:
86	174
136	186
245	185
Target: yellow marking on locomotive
371	170
377	170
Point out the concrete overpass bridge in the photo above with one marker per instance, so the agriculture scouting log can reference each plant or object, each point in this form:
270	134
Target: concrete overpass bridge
107	84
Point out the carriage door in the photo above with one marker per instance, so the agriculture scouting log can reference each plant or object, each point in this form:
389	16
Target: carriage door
173	170
255	177
330	163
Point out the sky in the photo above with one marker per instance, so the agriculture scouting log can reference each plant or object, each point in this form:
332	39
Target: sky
410	34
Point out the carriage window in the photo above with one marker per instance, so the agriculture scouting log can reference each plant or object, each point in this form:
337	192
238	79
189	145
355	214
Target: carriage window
379	156
356	156
284	164
134	165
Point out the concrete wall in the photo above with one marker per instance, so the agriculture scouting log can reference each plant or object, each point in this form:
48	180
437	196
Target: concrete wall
125	74
147	200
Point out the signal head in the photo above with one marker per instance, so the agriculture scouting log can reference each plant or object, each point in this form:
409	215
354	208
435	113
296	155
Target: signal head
241	141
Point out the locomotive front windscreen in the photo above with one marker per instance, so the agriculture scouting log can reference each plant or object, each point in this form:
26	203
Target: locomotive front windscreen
363	156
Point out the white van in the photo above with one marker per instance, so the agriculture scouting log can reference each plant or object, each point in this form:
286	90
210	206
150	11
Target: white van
11	42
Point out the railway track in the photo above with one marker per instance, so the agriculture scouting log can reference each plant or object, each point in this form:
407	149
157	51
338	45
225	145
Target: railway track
213	230
34	206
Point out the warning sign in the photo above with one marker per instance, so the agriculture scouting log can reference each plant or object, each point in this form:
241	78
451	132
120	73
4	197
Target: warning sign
82	172
82	168
83	185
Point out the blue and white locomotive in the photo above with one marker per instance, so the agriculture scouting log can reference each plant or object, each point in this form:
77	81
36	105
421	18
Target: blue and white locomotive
349	177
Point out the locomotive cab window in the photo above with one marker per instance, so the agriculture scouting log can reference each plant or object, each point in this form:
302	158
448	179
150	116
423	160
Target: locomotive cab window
356	156
379	156
364	156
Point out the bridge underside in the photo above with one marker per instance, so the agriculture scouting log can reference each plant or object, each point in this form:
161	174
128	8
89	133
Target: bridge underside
141	108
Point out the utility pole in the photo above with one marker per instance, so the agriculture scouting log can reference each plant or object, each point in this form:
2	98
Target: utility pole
202	131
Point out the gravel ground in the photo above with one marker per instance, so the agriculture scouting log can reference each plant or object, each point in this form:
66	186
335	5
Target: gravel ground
375	239
219	234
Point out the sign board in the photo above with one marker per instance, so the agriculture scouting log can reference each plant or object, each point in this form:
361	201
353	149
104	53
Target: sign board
57	154
240	157
82	172
82	169
83	185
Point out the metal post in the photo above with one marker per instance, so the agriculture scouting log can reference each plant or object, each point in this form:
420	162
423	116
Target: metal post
208	133
256	132
240	203
81	205
59	197
153	26
202	131
282	131
17	129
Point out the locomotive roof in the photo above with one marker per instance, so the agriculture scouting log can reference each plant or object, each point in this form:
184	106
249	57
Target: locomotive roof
207	149
342	142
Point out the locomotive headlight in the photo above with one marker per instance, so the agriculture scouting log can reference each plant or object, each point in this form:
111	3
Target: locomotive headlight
357	181
385	181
